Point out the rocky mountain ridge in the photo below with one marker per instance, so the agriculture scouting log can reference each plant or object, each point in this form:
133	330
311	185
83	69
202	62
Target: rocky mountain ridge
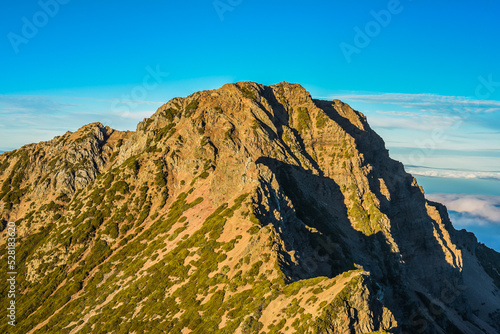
246	209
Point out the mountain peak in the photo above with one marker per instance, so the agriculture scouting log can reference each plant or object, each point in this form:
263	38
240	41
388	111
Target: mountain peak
244	209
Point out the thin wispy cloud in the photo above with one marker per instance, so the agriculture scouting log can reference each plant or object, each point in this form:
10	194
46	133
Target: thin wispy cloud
34	118
492	172
398	113
135	115
431	103
454	174
31	103
413	121
158	103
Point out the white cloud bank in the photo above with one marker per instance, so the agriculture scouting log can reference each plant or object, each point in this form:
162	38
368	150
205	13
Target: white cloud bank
477	209
456	174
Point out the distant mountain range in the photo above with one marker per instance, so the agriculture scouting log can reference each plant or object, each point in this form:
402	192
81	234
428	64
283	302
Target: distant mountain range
245	209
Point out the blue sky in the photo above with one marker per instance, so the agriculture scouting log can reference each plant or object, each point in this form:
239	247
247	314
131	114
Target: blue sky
426	74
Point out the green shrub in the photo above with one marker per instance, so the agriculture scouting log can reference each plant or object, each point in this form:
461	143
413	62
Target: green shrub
247	92
253	230
321	119
304	121
191	108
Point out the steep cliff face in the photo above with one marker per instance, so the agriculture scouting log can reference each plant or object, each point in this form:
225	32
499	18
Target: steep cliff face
246	209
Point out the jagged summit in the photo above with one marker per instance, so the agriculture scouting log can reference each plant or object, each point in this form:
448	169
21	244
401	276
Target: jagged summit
244	209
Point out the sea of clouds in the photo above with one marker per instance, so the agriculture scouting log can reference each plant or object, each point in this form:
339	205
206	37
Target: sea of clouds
473	209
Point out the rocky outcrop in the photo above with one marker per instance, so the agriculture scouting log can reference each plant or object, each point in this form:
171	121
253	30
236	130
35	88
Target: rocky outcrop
39	173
